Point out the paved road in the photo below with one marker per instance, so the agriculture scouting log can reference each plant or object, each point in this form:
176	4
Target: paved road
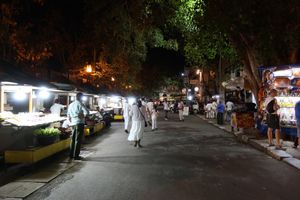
183	160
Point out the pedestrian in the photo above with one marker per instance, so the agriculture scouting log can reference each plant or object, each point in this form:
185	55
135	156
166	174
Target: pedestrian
180	110
166	108
147	117
208	109
154	117
137	114
273	120
220	113
56	107
149	109
214	106
297	115
76	114
126	110
229	107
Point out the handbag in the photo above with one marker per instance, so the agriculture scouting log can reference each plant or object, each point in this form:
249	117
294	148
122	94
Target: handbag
143	118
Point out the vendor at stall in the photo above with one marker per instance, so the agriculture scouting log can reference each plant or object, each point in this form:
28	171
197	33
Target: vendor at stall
56	108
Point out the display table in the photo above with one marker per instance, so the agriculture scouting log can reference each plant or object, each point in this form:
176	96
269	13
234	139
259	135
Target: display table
36	154
93	129
245	119
16	131
290	131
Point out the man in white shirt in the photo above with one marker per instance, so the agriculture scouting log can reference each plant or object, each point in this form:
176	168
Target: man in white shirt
76	114
149	108
214	109
166	108
229	107
56	107
180	110
208	109
126	116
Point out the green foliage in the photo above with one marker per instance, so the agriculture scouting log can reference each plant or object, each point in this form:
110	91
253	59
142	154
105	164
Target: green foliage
47	131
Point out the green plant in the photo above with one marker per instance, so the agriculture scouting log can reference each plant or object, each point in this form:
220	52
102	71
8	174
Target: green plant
47	131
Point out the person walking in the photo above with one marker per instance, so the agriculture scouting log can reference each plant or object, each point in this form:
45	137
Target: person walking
273	120
166	108
154	116
297	115
149	109
229	107
220	113
126	116
76	114
214	106
208	109
180	110
138	124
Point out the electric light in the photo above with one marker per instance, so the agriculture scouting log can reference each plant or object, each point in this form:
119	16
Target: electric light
84	98
103	101
43	93
196	89
190	97
89	68
131	100
114	99
19	95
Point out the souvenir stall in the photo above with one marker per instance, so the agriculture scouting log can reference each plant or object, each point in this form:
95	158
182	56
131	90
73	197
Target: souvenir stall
113	105
244	109
286	80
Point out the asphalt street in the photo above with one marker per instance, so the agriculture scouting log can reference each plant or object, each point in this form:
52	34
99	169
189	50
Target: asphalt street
181	161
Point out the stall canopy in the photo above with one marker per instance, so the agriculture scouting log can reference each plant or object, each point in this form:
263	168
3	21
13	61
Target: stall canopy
12	73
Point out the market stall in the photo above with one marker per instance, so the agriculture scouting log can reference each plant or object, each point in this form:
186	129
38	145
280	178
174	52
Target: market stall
286	80
20	116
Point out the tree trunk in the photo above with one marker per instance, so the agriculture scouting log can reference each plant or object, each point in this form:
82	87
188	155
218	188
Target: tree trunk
251	65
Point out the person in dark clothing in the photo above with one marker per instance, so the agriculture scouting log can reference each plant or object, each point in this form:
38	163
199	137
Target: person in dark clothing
297	115
273	120
220	113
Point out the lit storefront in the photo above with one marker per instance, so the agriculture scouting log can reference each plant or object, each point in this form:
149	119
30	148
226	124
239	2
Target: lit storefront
286	80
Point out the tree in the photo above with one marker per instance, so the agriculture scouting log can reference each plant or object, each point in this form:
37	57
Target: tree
263	32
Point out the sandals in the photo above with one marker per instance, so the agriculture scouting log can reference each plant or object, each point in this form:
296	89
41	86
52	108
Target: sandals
280	148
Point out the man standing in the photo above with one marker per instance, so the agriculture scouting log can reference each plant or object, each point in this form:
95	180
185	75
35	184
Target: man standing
229	107
126	116
180	110
166	108
56	107
297	115
220	113
149	108
273	118
208	109
214	106
76	114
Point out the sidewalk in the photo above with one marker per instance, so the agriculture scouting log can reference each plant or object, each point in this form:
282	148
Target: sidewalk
291	156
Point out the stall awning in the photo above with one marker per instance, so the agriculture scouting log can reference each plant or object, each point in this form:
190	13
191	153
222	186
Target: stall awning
12	73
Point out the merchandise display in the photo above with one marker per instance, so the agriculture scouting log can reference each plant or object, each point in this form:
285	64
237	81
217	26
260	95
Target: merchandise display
286	80
32	119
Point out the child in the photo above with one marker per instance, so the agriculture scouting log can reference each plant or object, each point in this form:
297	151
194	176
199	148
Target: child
154	116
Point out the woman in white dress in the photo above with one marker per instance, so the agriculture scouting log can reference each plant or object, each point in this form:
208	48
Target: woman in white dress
137	113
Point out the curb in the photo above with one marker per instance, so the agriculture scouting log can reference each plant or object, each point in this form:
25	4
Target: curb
271	151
